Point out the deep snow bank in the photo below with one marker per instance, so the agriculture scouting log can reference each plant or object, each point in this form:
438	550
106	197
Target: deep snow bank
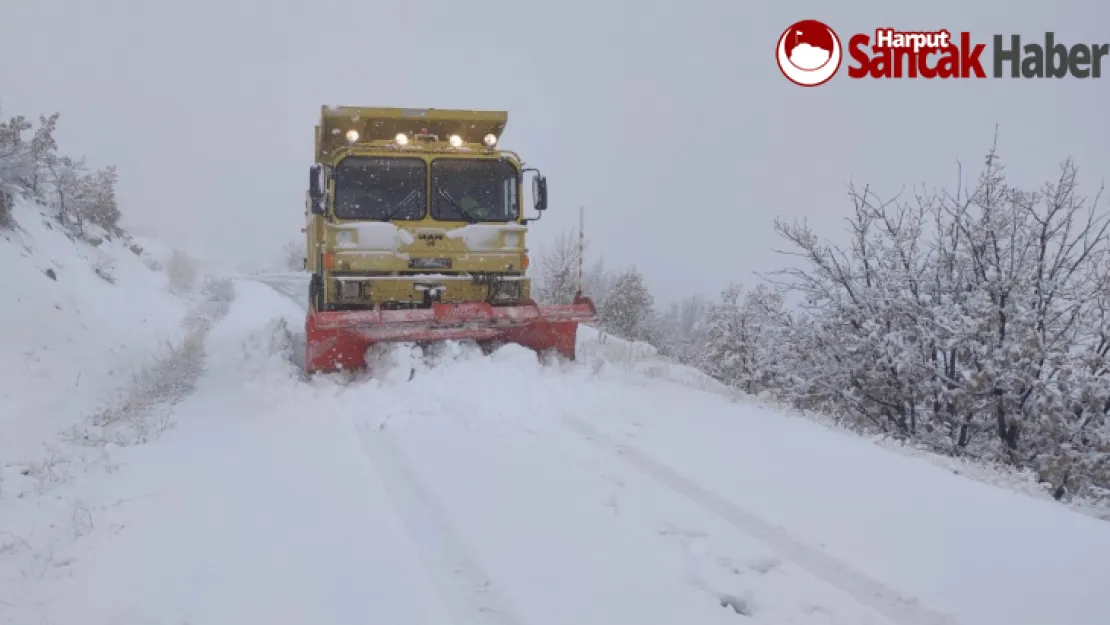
102	336
79	320
600	349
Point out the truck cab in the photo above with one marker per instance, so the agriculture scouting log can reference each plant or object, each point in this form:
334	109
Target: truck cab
410	207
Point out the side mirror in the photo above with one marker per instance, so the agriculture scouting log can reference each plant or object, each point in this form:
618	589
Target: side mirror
316	189
539	192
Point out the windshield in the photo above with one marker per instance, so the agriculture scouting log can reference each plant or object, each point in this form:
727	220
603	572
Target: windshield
474	190
380	188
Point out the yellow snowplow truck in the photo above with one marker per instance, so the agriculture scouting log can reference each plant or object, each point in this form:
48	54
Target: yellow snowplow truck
416	232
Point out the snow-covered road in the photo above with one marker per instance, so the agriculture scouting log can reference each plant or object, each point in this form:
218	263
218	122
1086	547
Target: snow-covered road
493	489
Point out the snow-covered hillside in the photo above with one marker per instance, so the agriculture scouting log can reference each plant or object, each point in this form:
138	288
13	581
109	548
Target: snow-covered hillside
82	317
101	335
495	489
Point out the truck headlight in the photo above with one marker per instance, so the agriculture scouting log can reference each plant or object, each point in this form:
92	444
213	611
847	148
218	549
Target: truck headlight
352	135
490	140
456	141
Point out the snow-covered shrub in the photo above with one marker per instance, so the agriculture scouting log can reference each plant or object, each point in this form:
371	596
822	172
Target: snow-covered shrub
105	267
34	166
19	158
7	203
83	197
181	271
683	331
975	322
741	338
629	309
142	412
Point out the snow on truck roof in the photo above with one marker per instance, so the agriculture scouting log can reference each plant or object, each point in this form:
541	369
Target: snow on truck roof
384	123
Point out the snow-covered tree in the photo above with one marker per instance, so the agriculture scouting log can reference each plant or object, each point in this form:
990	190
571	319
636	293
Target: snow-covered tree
83	196
557	275
7	202
34	167
975	321
16	164
683	330
628	310
42	150
742	331
99	199
971	321
556	272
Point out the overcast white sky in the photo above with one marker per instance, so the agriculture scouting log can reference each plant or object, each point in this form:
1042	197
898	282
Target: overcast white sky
669	121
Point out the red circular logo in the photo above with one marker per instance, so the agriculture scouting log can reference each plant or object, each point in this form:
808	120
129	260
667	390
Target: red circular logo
809	53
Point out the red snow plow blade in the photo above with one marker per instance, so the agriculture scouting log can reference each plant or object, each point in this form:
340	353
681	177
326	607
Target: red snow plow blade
339	340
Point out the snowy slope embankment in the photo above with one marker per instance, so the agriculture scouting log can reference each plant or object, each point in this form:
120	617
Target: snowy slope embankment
100	337
496	490
79	322
600	349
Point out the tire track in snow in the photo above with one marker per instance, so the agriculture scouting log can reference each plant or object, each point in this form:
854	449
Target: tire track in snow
467	589
883	599
426	524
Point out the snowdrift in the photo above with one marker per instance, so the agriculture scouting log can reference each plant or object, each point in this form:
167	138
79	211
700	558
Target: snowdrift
600	349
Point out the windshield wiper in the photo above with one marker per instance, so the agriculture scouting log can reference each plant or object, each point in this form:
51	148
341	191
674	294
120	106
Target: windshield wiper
399	206
443	194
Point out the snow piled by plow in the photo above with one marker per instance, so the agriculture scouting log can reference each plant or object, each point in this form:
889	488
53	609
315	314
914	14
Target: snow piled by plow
601	350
